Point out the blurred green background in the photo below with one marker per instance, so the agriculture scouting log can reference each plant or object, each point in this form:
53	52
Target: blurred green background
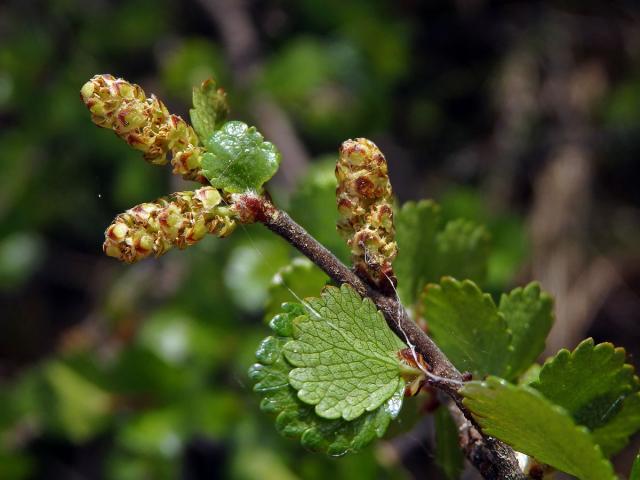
524	116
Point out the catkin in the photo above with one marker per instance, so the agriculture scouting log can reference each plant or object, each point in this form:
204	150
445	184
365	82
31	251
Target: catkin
144	123
179	220
366	216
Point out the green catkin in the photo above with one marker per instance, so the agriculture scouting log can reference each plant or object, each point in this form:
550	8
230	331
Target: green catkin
179	220
364	200
144	123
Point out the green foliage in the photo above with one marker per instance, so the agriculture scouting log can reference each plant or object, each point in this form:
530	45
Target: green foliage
297	419
138	370
137	25
448	454
635	470
190	62
463	248
158	432
428	250
15	466
77	407
210	109
467	326
530	374
484	339
300	276
509	238
522	417
614	435
312	64
618	111
597	388
416	229
346	355
238	159
308	206
529	315
250	267
164	375
180	340
327	88
590	383
20	254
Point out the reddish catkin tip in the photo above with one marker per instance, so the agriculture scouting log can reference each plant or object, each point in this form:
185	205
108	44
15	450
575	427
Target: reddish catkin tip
366	218
250	208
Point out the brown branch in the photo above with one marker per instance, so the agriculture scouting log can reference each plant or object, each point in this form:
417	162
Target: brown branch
488	455
492	458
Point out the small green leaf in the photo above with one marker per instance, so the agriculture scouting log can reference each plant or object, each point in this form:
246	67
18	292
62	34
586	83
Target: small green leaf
597	388
416	227
635	470
509	239
299	420
531	424
448	453
346	355
467	326
300	276
427	250
529	315
210	108
463	250
614	435
591	382
238	159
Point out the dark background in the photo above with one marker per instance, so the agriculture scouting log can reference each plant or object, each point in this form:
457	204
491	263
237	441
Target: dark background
521	115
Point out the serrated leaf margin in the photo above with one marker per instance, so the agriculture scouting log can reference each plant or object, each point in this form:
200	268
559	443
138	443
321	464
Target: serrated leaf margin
600	468
334	437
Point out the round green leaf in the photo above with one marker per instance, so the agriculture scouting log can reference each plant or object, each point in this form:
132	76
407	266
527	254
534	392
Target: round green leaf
238	159
297	419
346	355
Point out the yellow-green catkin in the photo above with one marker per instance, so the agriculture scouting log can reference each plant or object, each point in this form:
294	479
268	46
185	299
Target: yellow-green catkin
144	123
365	205
180	220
